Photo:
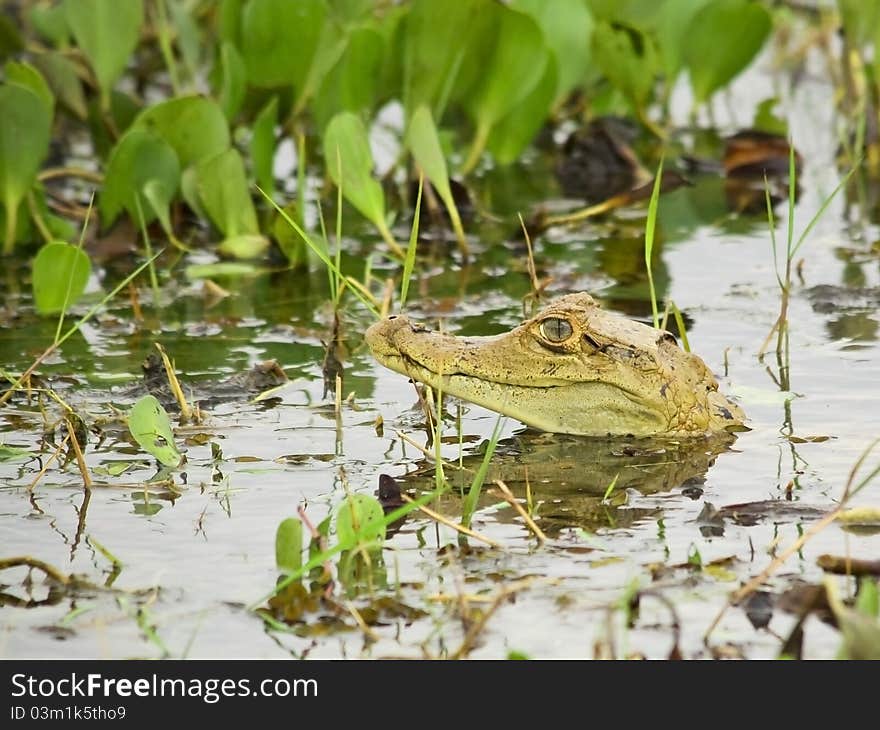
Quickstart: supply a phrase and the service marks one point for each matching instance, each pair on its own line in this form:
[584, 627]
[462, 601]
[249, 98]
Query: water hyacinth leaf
[26, 75]
[331, 45]
[436, 37]
[263, 145]
[11, 453]
[60, 73]
[289, 545]
[424, 143]
[193, 125]
[25, 123]
[229, 21]
[353, 82]
[11, 41]
[721, 40]
[360, 519]
[567, 27]
[107, 32]
[243, 246]
[671, 30]
[514, 68]
[223, 192]
[59, 277]
[233, 80]
[140, 158]
[50, 22]
[628, 59]
[279, 39]
[349, 162]
[515, 131]
[150, 426]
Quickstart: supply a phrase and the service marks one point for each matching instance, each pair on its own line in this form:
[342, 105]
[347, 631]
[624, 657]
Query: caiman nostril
[393, 316]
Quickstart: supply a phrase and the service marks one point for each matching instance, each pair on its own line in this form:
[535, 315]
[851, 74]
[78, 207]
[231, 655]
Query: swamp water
[194, 557]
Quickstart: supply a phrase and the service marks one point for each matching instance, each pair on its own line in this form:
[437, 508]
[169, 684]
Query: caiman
[573, 368]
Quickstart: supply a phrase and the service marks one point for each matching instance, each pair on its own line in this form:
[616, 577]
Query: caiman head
[573, 368]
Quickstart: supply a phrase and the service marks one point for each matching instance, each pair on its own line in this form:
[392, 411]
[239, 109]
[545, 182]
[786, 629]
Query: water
[196, 557]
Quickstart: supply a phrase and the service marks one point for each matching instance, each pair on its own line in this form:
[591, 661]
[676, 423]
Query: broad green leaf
[233, 80]
[25, 123]
[359, 519]
[721, 40]
[514, 132]
[221, 269]
[567, 27]
[244, 246]
[50, 22]
[289, 545]
[11, 41]
[151, 428]
[141, 157]
[353, 83]
[229, 21]
[514, 68]
[10, 453]
[107, 32]
[671, 31]
[424, 143]
[347, 151]
[628, 59]
[860, 20]
[436, 37]
[193, 125]
[263, 145]
[224, 194]
[26, 75]
[60, 73]
[331, 45]
[279, 38]
[59, 277]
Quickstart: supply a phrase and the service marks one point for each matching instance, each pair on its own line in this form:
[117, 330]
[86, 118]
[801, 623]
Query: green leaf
[515, 131]
[263, 145]
[233, 81]
[193, 125]
[353, 83]
[567, 27]
[289, 545]
[11, 41]
[50, 22]
[244, 246]
[514, 68]
[107, 32]
[860, 632]
[149, 424]
[349, 162]
[671, 32]
[279, 39]
[721, 40]
[223, 192]
[360, 519]
[140, 158]
[221, 269]
[628, 59]
[26, 75]
[424, 143]
[25, 123]
[10, 453]
[436, 38]
[59, 277]
[60, 73]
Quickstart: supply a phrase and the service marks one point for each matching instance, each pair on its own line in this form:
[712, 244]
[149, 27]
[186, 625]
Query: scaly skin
[608, 376]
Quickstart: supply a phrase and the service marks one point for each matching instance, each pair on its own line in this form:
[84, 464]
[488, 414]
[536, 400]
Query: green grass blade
[649, 240]
[771, 222]
[470, 501]
[825, 204]
[410, 260]
[319, 252]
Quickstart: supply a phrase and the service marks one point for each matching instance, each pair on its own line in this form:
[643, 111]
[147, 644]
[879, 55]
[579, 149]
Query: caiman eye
[555, 329]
